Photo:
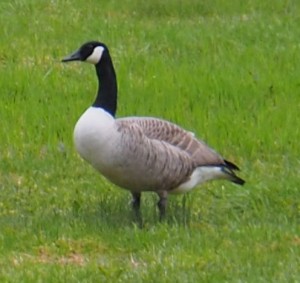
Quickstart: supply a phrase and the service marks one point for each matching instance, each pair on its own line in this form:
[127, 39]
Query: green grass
[227, 70]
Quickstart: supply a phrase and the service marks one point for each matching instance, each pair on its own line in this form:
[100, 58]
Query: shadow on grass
[116, 212]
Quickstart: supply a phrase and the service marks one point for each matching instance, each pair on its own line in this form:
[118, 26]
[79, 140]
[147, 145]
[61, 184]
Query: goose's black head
[97, 53]
[90, 52]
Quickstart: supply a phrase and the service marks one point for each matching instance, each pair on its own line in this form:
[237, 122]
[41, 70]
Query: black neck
[107, 90]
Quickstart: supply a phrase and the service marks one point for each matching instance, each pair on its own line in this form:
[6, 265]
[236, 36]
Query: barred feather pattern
[160, 155]
[152, 164]
[174, 135]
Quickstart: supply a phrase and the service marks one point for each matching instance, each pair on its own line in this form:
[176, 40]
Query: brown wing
[170, 133]
[151, 164]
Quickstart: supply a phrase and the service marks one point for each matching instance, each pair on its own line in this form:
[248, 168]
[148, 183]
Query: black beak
[72, 57]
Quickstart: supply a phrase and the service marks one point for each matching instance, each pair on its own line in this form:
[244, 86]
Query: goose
[141, 154]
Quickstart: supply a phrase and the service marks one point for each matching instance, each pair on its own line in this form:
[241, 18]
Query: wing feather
[162, 130]
[154, 163]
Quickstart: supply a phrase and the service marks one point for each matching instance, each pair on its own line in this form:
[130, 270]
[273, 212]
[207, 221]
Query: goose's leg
[136, 203]
[162, 204]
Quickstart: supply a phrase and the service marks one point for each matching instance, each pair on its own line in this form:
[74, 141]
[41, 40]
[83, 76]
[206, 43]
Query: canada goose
[141, 153]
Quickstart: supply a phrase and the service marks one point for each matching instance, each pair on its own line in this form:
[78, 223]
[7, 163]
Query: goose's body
[141, 153]
[145, 154]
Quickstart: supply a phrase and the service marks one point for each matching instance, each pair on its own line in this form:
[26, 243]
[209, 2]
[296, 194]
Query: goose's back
[172, 134]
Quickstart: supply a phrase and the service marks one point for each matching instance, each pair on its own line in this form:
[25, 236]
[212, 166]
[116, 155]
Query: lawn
[227, 70]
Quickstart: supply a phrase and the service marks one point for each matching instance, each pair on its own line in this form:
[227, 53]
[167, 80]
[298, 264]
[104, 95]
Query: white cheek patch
[95, 57]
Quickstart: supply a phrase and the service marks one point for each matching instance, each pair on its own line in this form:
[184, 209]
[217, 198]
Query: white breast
[93, 137]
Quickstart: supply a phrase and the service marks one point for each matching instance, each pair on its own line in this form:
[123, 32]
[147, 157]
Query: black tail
[237, 180]
[229, 168]
[231, 165]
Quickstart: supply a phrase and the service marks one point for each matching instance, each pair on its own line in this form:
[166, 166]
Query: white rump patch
[95, 57]
[200, 175]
